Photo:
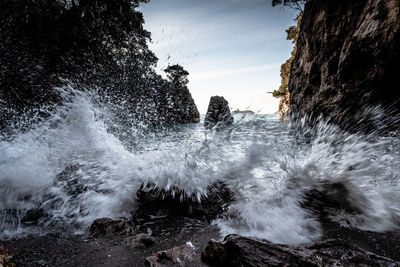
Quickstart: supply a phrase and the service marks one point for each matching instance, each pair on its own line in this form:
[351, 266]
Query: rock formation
[241, 251]
[348, 59]
[218, 112]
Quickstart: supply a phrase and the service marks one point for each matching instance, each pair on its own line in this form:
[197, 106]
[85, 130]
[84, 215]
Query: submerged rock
[183, 256]
[218, 112]
[4, 260]
[241, 251]
[337, 196]
[107, 226]
[348, 59]
[34, 216]
[174, 202]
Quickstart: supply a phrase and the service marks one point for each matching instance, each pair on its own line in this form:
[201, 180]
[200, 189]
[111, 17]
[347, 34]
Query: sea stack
[218, 112]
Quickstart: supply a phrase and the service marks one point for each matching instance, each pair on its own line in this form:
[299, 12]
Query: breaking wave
[71, 169]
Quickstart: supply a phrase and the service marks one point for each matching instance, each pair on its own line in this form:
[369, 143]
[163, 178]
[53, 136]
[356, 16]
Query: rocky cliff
[348, 59]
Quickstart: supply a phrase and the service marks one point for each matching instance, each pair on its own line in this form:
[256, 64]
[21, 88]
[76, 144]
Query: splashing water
[73, 168]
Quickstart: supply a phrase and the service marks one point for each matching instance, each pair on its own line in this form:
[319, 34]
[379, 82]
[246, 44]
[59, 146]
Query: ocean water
[269, 164]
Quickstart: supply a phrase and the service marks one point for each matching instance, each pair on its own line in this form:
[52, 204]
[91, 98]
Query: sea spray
[73, 169]
[277, 174]
[80, 164]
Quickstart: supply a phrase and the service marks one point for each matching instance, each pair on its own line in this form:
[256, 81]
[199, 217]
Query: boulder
[140, 240]
[183, 256]
[241, 251]
[218, 112]
[347, 60]
[107, 226]
[174, 202]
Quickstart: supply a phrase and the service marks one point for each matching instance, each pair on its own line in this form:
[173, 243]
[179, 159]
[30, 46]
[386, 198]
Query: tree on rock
[177, 75]
[179, 105]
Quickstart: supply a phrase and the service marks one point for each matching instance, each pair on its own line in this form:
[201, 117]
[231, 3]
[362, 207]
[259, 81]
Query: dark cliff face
[348, 59]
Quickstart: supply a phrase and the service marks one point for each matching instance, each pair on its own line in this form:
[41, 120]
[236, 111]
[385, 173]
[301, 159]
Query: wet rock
[218, 112]
[241, 251]
[107, 226]
[183, 256]
[34, 216]
[140, 240]
[4, 260]
[348, 59]
[174, 202]
[337, 196]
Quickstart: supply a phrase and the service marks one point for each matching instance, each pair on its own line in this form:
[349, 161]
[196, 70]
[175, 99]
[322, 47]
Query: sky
[232, 48]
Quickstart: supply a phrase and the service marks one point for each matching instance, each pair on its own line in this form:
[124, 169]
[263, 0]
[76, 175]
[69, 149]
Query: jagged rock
[174, 202]
[218, 112]
[183, 256]
[241, 251]
[4, 261]
[107, 226]
[140, 240]
[348, 58]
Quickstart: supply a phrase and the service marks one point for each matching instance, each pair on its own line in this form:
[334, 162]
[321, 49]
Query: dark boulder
[153, 201]
[347, 60]
[107, 226]
[218, 112]
[34, 216]
[241, 251]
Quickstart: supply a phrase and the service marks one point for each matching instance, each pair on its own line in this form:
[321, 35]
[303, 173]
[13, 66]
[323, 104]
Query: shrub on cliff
[292, 34]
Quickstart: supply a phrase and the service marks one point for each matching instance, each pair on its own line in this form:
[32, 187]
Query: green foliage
[293, 35]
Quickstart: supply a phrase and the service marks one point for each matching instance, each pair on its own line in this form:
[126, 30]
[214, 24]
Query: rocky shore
[168, 232]
[194, 243]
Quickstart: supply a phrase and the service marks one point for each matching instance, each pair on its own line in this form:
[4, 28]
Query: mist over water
[79, 165]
